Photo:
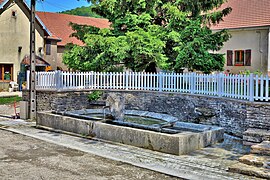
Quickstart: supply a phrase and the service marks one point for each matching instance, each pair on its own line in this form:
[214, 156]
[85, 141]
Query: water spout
[116, 102]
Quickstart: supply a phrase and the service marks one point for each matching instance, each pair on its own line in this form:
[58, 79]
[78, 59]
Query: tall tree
[169, 34]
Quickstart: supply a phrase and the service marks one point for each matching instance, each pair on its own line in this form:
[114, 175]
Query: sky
[58, 5]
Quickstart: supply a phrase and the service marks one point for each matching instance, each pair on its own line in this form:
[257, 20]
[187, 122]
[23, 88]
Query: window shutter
[248, 57]
[229, 57]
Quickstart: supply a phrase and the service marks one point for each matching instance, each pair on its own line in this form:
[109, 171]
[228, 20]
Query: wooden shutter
[248, 57]
[229, 58]
[1, 72]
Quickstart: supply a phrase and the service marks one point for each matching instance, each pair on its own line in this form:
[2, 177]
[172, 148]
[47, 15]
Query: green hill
[82, 11]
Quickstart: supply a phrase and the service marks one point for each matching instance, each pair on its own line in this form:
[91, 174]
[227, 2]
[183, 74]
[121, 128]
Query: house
[249, 25]
[52, 34]
[58, 24]
[15, 37]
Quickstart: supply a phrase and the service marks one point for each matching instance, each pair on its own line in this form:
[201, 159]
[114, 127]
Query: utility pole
[33, 113]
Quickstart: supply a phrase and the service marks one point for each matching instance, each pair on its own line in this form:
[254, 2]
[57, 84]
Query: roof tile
[58, 25]
[245, 13]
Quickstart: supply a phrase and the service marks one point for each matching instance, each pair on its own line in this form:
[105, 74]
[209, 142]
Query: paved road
[23, 157]
[49, 152]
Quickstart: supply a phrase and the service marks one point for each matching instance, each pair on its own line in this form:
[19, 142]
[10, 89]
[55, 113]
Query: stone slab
[250, 170]
[255, 160]
[262, 148]
[248, 143]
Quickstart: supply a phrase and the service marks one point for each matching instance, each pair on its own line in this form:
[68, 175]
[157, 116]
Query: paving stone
[262, 148]
[250, 170]
[255, 160]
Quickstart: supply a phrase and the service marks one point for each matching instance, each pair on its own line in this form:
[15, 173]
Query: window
[48, 47]
[14, 14]
[6, 72]
[239, 57]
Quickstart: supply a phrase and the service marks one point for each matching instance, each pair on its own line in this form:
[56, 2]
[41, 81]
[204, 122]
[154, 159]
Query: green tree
[169, 34]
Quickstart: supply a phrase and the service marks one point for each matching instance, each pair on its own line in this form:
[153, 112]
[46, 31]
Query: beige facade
[52, 58]
[254, 39]
[15, 37]
[60, 52]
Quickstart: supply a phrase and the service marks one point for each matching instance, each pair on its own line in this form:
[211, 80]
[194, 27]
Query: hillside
[82, 11]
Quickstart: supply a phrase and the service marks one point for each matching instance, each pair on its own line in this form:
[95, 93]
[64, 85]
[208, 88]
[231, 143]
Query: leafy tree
[82, 11]
[169, 34]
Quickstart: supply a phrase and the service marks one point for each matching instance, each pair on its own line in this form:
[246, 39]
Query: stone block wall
[60, 101]
[229, 114]
[235, 116]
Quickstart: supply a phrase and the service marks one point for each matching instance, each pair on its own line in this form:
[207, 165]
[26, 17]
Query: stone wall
[59, 101]
[234, 116]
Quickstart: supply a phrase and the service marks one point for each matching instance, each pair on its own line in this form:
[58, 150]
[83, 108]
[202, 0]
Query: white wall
[254, 39]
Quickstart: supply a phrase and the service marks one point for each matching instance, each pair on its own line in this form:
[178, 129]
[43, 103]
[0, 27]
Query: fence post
[91, 80]
[251, 87]
[160, 82]
[58, 80]
[219, 84]
[192, 83]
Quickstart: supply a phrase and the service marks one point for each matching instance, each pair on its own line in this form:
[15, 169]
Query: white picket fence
[246, 87]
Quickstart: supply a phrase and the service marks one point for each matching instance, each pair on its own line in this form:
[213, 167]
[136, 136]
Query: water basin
[155, 131]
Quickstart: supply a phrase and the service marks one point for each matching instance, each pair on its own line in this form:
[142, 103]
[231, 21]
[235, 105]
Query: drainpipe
[268, 59]
[260, 50]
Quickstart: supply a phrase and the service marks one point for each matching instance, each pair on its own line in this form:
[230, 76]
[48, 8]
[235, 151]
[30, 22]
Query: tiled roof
[58, 25]
[245, 13]
[39, 61]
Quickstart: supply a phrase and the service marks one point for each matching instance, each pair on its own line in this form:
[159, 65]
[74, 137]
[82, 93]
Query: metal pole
[33, 113]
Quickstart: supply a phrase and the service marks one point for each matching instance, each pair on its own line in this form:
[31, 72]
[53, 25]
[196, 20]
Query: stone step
[255, 160]
[262, 148]
[258, 172]
[253, 135]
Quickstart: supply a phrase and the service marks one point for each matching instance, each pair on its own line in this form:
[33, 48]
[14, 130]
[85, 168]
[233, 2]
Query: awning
[39, 61]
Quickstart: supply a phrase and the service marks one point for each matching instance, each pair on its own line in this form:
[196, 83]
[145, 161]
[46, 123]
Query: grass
[9, 100]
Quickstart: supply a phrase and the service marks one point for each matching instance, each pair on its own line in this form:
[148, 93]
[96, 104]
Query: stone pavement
[209, 163]
[26, 158]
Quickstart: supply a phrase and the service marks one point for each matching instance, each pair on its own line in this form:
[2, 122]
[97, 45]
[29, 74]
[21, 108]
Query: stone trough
[182, 139]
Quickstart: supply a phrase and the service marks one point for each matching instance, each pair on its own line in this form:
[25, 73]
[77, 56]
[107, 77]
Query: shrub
[95, 95]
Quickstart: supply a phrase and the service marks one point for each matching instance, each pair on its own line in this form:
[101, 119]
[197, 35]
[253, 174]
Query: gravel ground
[23, 157]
